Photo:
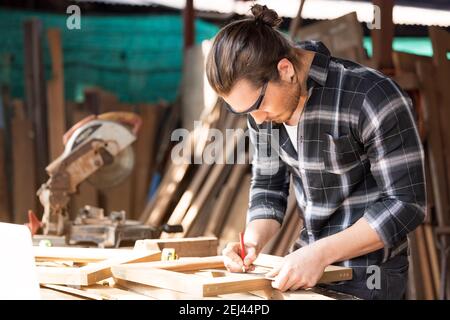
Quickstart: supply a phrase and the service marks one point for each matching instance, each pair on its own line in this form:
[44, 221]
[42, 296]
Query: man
[347, 136]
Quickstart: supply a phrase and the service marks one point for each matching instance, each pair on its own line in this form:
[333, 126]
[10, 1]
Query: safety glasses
[254, 107]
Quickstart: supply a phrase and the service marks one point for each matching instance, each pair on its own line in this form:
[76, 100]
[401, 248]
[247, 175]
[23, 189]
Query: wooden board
[56, 115]
[236, 218]
[4, 191]
[383, 36]
[81, 255]
[24, 170]
[91, 273]
[145, 149]
[98, 292]
[225, 200]
[184, 247]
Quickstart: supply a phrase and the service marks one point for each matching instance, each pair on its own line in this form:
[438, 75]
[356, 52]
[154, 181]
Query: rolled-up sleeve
[270, 178]
[390, 137]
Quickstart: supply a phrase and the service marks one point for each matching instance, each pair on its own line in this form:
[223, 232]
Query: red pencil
[241, 240]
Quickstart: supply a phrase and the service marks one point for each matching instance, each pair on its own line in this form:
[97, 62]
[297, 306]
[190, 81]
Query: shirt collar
[318, 71]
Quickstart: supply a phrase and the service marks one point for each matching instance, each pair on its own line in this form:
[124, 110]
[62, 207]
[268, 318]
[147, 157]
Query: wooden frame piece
[184, 247]
[94, 272]
[178, 275]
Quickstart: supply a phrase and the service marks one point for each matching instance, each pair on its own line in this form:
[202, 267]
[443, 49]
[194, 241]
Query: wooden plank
[184, 247]
[436, 134]
[98, 292]
[424, 264]
[236, 218]
[145, 147]
[24, 170]
[434, 261]
[154, 292]
[4, 191]
[440, 40]
[272, 294]
[297, 21]
[191, 283]
[35, 93]
[383, 37]
[174, 181]
[91, 273]
[50, 294]
[55, 96]
[225, 200]
[183, 264]
[81, 255]
[202, 286]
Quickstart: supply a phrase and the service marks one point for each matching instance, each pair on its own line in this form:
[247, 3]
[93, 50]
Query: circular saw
[97, 149]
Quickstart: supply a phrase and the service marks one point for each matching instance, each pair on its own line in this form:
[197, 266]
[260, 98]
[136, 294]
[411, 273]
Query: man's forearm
[357, 240]
[258, 232]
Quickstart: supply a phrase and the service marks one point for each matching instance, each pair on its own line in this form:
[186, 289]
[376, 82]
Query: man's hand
[257, 234]
[232, 258]
[301, 269]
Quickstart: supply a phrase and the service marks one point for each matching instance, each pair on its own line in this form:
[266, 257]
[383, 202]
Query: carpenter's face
[278, 104]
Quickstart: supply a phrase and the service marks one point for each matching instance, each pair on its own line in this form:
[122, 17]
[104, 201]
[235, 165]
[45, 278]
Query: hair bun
[266, 15]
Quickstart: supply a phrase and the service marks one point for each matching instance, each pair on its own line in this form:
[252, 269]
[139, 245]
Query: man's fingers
[250, 257]
[280, 280]
[231, 258]
[273, 273]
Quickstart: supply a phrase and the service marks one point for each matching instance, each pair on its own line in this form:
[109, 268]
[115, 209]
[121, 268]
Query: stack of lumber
[114, 274]
[428, 78]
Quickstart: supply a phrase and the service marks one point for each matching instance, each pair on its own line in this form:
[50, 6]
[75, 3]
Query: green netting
[137, 57]
[415, 45]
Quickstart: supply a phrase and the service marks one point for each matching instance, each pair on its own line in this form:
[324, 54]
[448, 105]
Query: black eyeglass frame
[255, 106]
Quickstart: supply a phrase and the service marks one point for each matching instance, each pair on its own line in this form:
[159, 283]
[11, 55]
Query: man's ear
[286, 70]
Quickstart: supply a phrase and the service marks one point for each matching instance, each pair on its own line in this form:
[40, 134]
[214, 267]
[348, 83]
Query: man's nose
[259, 116]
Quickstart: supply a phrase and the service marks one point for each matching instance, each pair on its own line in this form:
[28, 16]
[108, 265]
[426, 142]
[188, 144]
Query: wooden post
[55, 95]
[35, 93]
[188, 20]
[297, 21]
[382, 38]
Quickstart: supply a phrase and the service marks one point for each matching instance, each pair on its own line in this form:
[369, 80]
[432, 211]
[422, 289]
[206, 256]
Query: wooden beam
[98, 292]
[55, 96]
[24, 170]
[382, 38]
[4, 190]
[297, 21]
[35, 92]
[189, 24]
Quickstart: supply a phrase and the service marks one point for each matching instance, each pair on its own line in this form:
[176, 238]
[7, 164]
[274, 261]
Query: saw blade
[115, 173]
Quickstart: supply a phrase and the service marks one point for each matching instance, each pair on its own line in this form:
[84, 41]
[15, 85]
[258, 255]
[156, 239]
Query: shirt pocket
[340, 155]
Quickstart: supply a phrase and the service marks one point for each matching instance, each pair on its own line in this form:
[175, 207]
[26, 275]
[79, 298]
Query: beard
[291, 102]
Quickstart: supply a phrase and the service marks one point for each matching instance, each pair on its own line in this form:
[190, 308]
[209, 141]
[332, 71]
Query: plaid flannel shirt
[359, 155]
